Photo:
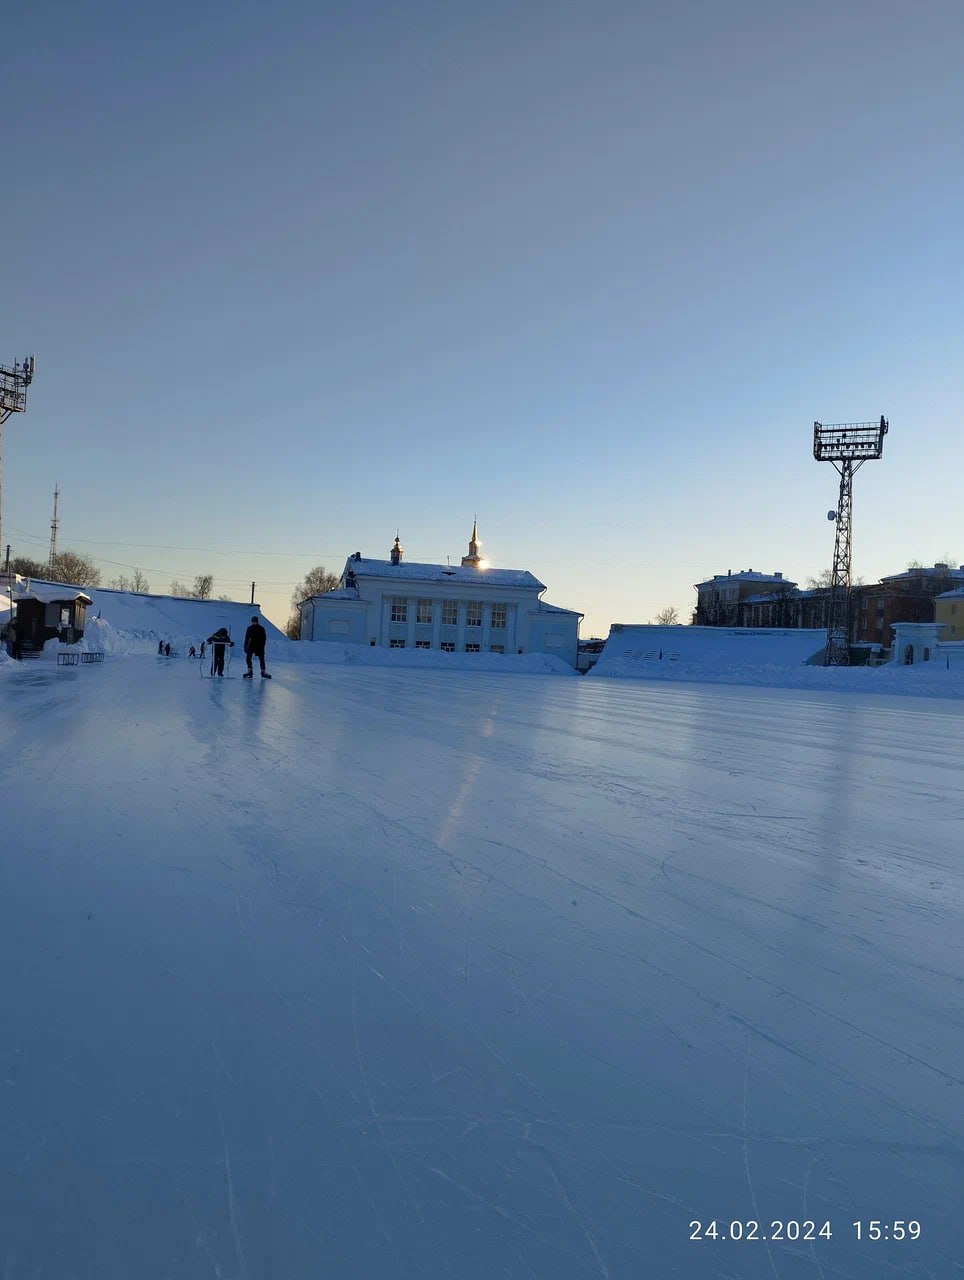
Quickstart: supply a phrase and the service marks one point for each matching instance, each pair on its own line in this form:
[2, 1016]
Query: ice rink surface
[375, 973]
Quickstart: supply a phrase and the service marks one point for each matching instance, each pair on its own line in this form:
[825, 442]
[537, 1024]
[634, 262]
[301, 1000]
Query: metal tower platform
[847, 445]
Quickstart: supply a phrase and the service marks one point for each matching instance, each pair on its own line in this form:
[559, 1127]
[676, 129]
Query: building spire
[397, 551]
[473, 560]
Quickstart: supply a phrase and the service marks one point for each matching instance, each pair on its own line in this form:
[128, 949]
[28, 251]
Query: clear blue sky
[297, 275]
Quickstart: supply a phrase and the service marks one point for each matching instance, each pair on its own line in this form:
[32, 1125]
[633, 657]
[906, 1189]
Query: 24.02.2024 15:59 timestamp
[872, 1229]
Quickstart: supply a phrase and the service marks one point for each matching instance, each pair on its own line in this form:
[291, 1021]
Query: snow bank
[630, 646]
[100, 636]
[171, 617]
[322, 651]
[776, 659]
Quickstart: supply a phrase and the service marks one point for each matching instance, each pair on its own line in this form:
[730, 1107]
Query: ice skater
[219, 641]
[255, 639]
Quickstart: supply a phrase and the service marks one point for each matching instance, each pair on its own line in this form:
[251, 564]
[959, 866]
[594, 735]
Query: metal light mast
[848, 445]
[54, 525]
[13, 399]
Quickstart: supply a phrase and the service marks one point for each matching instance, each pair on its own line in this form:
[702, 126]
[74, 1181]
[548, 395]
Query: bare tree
[136, 582]
[72, 567]
[315, 583]
[668, 617]
[28, 568]
[824, 580]
[201, 590]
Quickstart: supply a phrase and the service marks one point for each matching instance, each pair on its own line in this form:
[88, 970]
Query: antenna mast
[54, 525]
[848, 445]
[13, 399]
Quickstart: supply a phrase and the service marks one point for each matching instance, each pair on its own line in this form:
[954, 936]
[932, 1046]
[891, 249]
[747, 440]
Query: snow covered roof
[544, 607]
[957, 593]
[927, 571]
[746, 575]
[52, 595]
[406, 572]
[340, 593]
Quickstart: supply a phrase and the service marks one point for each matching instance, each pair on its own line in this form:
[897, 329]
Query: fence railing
[75, 659]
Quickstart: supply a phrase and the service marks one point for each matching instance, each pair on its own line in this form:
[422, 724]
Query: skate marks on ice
[421, 1000]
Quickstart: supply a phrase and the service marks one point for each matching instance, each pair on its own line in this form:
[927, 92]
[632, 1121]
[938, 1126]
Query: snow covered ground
[770, 658]
[377, 973]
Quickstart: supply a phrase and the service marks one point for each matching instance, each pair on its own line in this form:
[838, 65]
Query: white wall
[369, 619]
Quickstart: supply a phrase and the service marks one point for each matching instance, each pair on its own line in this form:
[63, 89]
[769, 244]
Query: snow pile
[323, 651]
[642, 650]
[100, 636]
[174, 619]
[773, 658]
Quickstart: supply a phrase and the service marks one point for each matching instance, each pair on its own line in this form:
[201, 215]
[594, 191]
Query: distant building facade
[471, 608]
[788, 608]
[901, 597]
[949, 610]
[749, 599]
[721, 600]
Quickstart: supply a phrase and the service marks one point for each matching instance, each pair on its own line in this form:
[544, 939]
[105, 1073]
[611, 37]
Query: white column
[460, 630]
[436, 623]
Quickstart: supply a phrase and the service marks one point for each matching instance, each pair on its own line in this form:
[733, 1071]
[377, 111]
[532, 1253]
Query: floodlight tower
[13, 399]
[848, 445]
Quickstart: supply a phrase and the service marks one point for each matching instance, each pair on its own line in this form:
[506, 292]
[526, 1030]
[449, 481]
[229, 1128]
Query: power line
[211, 551]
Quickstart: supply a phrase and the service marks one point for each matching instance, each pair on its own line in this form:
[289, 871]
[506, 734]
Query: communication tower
[13, 399]
[54, 526]
[848, 445]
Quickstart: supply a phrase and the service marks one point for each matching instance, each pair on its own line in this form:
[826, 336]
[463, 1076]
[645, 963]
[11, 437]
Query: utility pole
[848, 445]
[252, 593]
[13, 399]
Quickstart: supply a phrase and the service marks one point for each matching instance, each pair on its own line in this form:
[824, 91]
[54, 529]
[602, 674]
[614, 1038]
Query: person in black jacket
[255, 639]
[220, 640]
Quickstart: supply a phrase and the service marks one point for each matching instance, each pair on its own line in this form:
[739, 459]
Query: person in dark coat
[11, 636]
[220, 640]
[255, 639]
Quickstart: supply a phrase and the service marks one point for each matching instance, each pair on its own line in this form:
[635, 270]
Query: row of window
[450, 612]
[447, 646]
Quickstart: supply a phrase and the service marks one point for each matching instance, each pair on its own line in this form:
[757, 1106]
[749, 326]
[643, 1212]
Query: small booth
[916, 642]
[49, 613]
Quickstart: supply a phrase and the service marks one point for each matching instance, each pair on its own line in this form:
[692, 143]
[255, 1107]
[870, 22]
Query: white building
[469, 609]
